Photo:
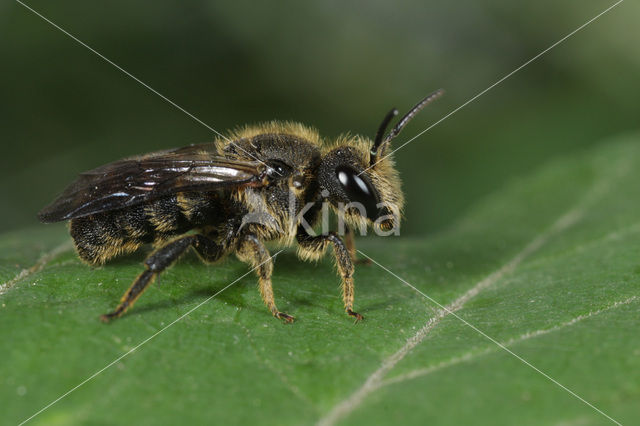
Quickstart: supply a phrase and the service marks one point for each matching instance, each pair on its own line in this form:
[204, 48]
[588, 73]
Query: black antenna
[383, 128]
[379, 145]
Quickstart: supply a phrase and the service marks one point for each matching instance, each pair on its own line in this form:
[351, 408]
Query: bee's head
[360, 196]
[359, 178]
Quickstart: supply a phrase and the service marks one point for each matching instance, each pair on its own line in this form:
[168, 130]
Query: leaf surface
[548, 266]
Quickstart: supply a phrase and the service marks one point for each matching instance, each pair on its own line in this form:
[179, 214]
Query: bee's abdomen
[166, 218]
[102, 236]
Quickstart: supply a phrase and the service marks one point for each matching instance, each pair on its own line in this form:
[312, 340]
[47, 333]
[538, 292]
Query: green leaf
[548, 266]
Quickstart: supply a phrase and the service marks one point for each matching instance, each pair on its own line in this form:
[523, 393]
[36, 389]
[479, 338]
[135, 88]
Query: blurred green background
[334, 65]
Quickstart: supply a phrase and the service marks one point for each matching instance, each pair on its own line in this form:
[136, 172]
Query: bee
[263, 183]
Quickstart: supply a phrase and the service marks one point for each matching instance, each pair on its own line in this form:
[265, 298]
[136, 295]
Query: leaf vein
[490, 349]
[572, 216]
[37, 267]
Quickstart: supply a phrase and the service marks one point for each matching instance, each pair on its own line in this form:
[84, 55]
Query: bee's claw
[356, 315]
[115, 314]
[108, 317]
[285, 317]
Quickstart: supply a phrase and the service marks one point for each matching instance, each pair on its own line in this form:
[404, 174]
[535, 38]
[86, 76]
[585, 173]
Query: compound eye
[359, 190]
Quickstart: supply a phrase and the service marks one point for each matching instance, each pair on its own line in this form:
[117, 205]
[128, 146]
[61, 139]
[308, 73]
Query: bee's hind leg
[252, 250]
[158, 261]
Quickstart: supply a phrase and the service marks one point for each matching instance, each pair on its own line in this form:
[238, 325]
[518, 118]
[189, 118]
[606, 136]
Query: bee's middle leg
[158, 261]
[252, 250]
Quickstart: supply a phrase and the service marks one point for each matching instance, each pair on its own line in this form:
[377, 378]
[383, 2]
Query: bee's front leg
[350, 242]
[252, 250]
[312, 247]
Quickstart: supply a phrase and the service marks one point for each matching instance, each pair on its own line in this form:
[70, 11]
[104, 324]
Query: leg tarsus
[356, 315]
[105, 318]
[288, 319]
[314, 246]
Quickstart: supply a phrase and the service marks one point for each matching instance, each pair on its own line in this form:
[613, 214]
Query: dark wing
[132, 181]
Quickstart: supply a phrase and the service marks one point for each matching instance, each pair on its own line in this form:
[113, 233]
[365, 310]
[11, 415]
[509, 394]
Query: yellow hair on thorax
[273, 127]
